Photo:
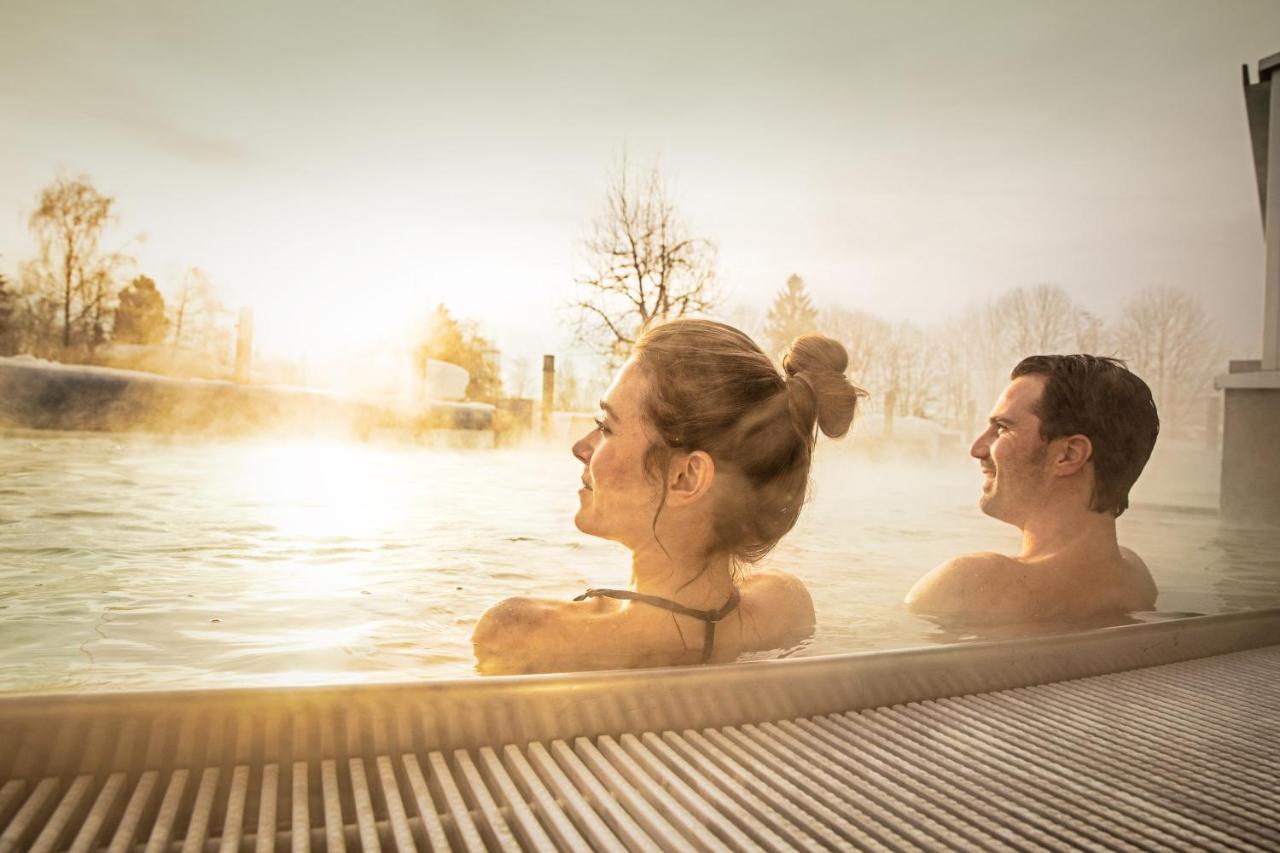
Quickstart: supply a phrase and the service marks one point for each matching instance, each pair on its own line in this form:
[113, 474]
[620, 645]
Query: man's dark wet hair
[1101, 399]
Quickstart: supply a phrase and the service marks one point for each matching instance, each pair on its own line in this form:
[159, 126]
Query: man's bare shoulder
[955, 585]
[1131, 557]
[1142, 586]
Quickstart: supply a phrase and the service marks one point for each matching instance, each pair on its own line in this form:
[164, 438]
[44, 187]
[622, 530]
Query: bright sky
[342, 167]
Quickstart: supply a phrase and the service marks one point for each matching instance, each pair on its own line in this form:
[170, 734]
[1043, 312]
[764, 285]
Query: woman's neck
[701, 582]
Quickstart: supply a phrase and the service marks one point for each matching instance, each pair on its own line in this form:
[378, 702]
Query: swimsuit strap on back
[711, 617]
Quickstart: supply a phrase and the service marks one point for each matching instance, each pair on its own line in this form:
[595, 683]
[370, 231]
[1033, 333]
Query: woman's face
[619, 498]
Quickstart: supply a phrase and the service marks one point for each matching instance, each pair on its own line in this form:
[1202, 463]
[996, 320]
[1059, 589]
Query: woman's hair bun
[819, 363]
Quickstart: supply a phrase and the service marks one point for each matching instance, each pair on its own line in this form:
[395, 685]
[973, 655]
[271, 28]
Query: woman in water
[699, 464]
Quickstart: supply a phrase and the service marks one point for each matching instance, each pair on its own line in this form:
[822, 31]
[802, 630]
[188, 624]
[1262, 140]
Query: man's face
[1012, 453]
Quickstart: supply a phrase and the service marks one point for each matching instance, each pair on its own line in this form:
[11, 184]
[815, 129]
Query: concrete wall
[1251, 455]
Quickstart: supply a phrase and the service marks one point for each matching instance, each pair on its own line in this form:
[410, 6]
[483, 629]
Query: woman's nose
[582, 448]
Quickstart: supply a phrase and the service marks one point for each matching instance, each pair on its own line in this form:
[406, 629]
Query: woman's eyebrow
[609, 410]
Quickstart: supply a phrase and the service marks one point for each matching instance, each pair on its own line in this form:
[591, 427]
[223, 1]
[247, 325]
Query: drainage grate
[1185, 755]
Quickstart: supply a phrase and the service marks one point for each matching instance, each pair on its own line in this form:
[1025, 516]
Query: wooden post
[548, 391]
[244, 345]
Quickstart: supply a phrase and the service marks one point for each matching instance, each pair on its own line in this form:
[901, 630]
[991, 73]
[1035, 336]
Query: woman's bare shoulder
[772, 582]
[779, 604]
[534, 634]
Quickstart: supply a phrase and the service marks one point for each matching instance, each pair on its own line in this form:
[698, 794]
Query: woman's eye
[600, 425]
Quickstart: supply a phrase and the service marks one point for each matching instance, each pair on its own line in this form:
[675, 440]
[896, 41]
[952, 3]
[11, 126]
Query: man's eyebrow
[997, 420]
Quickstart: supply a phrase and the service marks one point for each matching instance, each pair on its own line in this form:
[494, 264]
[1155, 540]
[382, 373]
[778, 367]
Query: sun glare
[323, 491]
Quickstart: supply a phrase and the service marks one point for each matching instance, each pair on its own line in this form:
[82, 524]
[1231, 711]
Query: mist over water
[141, 561]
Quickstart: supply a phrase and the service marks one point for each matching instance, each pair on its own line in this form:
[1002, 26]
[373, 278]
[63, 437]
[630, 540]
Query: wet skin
[1071, 567]
[619, 500]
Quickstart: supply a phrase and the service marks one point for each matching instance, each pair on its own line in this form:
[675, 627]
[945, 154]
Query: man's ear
[1071, 454]
[690, 477]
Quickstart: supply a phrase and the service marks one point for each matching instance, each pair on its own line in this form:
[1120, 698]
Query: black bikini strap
[710, 617]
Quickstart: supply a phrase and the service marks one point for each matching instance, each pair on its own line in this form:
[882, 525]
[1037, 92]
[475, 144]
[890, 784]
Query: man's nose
[981, 447]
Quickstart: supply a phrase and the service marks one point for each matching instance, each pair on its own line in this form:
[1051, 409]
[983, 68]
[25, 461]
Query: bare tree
[912, 370]
[568, 392]
[865, 337]
[201, 324]
[72, 270]
[645, 266]
[1168, 341]
[1037, 320]
[518, 381]
[1090, 333]
[748, 318]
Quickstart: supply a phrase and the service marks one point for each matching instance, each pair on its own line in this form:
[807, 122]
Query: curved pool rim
[43, 734]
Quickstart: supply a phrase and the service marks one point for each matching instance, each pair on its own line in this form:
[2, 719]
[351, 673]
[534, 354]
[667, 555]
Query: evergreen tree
[140, 317]
[791, 315]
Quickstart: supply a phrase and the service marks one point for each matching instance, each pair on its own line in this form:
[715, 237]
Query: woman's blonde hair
[713, 389]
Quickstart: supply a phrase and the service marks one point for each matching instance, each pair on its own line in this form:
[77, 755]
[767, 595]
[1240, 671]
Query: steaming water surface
[132, 562]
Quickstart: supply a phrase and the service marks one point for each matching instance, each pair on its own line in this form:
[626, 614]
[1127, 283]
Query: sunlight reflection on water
[149, 562]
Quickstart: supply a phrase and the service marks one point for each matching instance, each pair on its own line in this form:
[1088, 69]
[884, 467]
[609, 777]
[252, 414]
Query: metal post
[548, 391]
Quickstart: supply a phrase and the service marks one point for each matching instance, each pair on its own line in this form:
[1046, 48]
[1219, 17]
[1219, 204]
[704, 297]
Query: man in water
[1064, 444]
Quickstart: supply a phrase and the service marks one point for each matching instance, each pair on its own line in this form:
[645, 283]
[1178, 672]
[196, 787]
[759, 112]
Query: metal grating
[1180, 756]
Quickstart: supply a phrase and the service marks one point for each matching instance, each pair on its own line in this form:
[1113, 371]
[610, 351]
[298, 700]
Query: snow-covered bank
[40, 394]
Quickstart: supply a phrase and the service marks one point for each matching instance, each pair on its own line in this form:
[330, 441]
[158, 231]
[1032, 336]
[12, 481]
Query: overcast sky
[342, 167]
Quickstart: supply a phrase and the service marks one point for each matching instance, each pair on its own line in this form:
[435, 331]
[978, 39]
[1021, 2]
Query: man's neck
[1054, 531]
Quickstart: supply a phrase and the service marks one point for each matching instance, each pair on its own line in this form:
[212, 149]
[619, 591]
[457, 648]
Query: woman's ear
[690, 477]
[1072, 454]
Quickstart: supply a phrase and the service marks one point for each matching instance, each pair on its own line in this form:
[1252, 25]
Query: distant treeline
[645, 264]
[80, 301]
[78, 297]
[952, 372]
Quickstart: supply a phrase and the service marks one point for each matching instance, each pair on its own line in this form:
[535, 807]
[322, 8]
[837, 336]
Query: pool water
[146, 562]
